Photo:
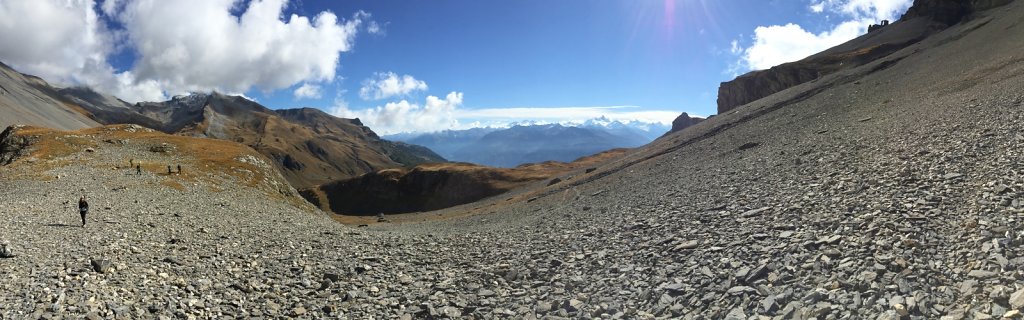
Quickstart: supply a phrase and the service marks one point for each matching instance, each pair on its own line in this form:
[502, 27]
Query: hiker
[83, 209]
[138, 169]
[168, 169]
[131, 162]
[179, 169]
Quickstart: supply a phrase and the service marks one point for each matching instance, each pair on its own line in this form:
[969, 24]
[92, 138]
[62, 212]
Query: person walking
[138, 169]
[179, 169]
[83, 209]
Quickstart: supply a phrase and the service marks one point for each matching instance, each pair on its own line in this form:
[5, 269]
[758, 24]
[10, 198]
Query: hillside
[31, 152]
[308, 146]
[29, 100]
[925, 17]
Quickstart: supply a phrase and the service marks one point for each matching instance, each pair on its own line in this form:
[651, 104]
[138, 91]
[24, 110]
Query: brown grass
[201, 159]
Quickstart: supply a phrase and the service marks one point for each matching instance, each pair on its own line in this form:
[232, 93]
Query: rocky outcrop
[683, 121]
[925, 17]
[12, 145]
[950, 11]
[419, 189]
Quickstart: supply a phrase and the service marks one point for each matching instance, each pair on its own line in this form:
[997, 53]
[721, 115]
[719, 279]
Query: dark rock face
[683, 121]
[398, 191]
[759, 84]
[13, 146]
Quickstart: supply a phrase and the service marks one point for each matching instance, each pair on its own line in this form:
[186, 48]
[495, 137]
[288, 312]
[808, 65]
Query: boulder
[683, 121]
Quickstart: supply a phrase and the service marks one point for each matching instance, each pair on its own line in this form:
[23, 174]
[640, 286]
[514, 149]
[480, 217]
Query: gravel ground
[896, 194]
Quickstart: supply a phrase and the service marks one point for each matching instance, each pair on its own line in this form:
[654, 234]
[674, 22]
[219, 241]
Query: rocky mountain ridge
[925, 17]
[309, 146]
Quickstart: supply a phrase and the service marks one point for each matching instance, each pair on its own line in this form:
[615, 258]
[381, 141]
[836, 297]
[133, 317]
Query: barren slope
[29, 100]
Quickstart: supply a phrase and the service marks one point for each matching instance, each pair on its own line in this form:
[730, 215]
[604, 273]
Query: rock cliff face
[683, 121]
[922, 19]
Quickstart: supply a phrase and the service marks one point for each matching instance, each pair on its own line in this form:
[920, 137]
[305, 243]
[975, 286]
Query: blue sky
[430, 65]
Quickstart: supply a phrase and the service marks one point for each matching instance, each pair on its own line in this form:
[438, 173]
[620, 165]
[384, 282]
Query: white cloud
[388, 84]
[375, 28]
[198, 45]
[734, 47]
[777, 44]
[404, 116]
[308, 91]
[181, 46]
[870, 9]
[817, 7]
[65, 43]
[447, 113]
[568, 114]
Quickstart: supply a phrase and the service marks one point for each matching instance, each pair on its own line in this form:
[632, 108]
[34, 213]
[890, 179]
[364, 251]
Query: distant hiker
[83, 209]
[131, 162]
[138, 169]
[168, 169]
[179, 169]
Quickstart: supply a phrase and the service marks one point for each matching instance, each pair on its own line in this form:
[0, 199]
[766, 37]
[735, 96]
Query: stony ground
[894, 194]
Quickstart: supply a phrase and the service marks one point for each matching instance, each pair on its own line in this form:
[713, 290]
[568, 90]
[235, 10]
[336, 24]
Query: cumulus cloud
[774, 45]
[197, 45]
[405, 116]
[64, 42]
[777, 44]
[181, 46]
[308, 91]
[388, 84]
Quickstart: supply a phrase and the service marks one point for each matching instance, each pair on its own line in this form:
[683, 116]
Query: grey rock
[982, 274]
[100, 265]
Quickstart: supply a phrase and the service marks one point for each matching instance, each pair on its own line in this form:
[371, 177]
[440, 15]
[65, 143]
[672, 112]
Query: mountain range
[530, 142]
[308, 146]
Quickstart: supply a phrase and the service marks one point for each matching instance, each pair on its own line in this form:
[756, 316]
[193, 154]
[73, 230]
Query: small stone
[6, 251]
[452, 312]
[982, 274]
[542, 307]
[333, 277]
[101, 265]
[690, 244]
[573, 305]
[736, 314]
[1017, 299]
[1012, 314]
[740, 289]
[900, 309]
[298, 311]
